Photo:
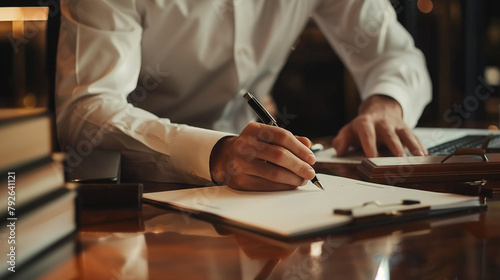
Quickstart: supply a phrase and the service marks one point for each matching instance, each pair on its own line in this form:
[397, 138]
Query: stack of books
[37, 209]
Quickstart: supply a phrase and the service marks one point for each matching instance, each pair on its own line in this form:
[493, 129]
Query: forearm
[378, 51]
[152, 148]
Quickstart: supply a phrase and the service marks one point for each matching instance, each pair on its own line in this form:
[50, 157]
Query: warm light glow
[18, 28]
[425, 6]
[492, 75]
[494, 33]
[316, 249]
[29, 100]
[24, 13]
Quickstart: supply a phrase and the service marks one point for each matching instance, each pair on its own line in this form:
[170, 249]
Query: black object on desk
[109, 196]
[490, 143]
[99, 166]
[97, 175]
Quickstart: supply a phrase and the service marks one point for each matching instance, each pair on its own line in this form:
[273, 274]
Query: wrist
[379, 102]
[218, 159]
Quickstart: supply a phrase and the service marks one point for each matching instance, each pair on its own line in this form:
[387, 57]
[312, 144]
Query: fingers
[260, 174]
[411, 141]
[370, 133]
[344, 139]
[360, 132]
[365, 131]
[278, 137]
[397, 139]
[305, 141]
[263, 157]
[391, 140]
[286, 159]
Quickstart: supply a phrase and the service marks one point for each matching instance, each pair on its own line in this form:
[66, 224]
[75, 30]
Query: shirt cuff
[191, 148]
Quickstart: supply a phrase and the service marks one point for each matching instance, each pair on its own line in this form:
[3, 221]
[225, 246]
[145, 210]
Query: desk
[154, 243]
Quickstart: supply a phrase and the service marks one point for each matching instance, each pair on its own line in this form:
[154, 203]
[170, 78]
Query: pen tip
[318, 184]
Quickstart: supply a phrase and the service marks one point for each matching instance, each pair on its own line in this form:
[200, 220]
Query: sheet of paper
[301, 211]
[330, 155]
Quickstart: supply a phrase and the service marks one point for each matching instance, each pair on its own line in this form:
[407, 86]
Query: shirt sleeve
[98, 64]
[378, 51]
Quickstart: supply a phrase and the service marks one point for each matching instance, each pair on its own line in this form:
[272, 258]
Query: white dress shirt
[160, 80]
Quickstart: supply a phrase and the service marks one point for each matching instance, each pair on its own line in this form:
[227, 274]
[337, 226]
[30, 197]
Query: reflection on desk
[174, 245]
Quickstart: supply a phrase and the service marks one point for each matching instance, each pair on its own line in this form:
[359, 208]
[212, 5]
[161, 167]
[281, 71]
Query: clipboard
[308, 211]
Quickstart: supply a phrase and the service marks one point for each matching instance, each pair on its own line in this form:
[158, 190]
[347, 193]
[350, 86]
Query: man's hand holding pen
[262, 158]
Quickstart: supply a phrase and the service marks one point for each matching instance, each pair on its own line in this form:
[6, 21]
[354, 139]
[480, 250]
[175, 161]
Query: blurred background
[460, 40]
[28, 41]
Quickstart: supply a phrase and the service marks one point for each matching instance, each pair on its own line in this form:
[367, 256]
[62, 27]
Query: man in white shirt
[161, 81]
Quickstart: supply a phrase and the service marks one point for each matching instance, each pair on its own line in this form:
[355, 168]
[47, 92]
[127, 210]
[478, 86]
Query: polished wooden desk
[154, 243]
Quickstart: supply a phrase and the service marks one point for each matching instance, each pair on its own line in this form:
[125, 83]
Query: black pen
[266, 118]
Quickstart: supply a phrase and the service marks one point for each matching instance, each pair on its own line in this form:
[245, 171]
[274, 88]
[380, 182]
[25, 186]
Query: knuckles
[280, 155]
[274, 174]
[282, 135]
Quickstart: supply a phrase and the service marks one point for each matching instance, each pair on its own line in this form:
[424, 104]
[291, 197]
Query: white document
[306, 210]
[429, 137]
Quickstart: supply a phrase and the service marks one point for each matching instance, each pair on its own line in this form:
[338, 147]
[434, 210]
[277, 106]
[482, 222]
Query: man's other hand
[379, 123]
